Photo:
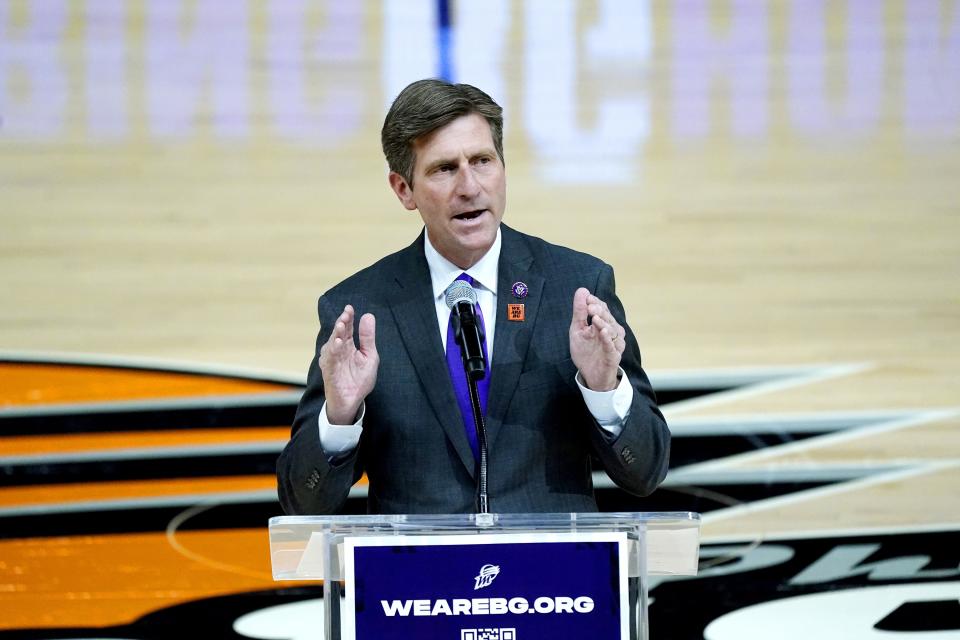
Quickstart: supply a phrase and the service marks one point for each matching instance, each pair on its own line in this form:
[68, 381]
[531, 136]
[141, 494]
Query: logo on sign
[486, 576]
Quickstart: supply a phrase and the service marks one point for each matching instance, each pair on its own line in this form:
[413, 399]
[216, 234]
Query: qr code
[488, 634]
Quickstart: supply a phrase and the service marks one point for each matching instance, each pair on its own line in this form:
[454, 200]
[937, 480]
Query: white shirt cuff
[338, 439]
[609, 408]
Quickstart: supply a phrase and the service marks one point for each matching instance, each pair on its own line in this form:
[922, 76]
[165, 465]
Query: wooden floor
[775, 184]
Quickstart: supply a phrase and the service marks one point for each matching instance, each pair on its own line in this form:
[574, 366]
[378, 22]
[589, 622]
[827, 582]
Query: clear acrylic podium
[316, 548]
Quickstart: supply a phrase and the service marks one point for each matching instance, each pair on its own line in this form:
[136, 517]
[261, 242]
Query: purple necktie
[459, 377]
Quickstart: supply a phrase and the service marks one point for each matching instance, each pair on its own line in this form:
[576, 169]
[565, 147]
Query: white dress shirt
[609, 408]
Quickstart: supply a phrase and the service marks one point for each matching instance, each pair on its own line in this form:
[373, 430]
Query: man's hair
[423, 107]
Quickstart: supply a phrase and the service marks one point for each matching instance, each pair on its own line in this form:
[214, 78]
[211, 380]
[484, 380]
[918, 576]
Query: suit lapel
[413, 310]
[512, 338]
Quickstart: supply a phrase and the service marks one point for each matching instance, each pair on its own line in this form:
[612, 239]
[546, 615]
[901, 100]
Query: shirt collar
[443, 272]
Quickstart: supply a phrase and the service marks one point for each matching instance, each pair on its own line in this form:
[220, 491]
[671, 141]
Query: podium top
[297, 543]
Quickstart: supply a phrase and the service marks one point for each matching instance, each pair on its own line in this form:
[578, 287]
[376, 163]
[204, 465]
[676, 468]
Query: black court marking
[933, 615]
[212, 413]
[144, 467]
[142, 519]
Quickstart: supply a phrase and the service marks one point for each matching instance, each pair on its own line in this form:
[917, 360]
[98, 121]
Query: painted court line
[780, 378]
[904, 421]
[785, 422]
[822, 492]
[211, 402]
[185, 500]
[148, 453]
[853, 532]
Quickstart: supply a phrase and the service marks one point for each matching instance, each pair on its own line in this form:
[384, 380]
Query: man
[564, 369]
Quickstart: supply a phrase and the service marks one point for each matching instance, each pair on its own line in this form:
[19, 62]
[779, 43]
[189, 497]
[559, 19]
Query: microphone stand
[474, 373]
[483, 500]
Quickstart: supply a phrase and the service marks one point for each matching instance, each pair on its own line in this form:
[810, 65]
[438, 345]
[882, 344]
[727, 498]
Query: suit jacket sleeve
[637, 459]
[307, 482]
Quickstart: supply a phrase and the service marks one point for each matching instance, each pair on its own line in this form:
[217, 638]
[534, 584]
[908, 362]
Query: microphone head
[460, 291]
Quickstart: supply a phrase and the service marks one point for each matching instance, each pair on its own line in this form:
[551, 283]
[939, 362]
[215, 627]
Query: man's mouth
[469, 215]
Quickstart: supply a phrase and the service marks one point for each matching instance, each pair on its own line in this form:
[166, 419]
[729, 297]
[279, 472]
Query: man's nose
[467, 184]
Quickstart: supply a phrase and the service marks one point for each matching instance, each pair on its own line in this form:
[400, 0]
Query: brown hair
[425, 106]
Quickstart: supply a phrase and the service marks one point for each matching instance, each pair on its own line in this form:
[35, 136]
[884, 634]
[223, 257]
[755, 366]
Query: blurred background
[774, 181]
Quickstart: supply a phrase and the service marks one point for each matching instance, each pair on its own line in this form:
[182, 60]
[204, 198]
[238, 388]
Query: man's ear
[403, 190]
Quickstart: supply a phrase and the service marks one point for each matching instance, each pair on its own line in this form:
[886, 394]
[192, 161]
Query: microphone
[461, 299]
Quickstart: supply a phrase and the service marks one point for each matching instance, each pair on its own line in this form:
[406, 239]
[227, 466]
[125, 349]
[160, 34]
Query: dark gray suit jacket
[540, 433]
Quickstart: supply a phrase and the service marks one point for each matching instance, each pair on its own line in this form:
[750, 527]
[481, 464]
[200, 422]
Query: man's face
[460, 188]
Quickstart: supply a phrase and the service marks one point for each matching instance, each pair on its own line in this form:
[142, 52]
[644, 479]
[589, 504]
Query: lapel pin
[520, 290]
[515, 312]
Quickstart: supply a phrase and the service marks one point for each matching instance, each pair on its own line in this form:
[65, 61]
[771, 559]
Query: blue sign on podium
[536, 586]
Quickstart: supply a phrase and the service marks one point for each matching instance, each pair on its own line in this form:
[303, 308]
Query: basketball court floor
[774, 182]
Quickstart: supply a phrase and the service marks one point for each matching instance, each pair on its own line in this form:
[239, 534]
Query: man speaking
[387, 395]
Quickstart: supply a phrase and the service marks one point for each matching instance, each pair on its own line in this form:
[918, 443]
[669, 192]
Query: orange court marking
[39, 384]
[102, 580]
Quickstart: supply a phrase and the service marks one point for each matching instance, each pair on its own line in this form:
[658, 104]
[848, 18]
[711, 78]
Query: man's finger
[605, 329]
[601, 311]
[342, 331]
[603, 322]
[347, 318]
[367, 333]
[580, 308]
[339, 336]
[599, 308]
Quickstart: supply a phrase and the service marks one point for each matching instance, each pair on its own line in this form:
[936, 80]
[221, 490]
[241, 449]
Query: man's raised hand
[349, 373]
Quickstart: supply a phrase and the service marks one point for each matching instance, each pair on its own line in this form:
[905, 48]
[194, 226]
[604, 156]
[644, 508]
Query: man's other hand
[595, 347]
